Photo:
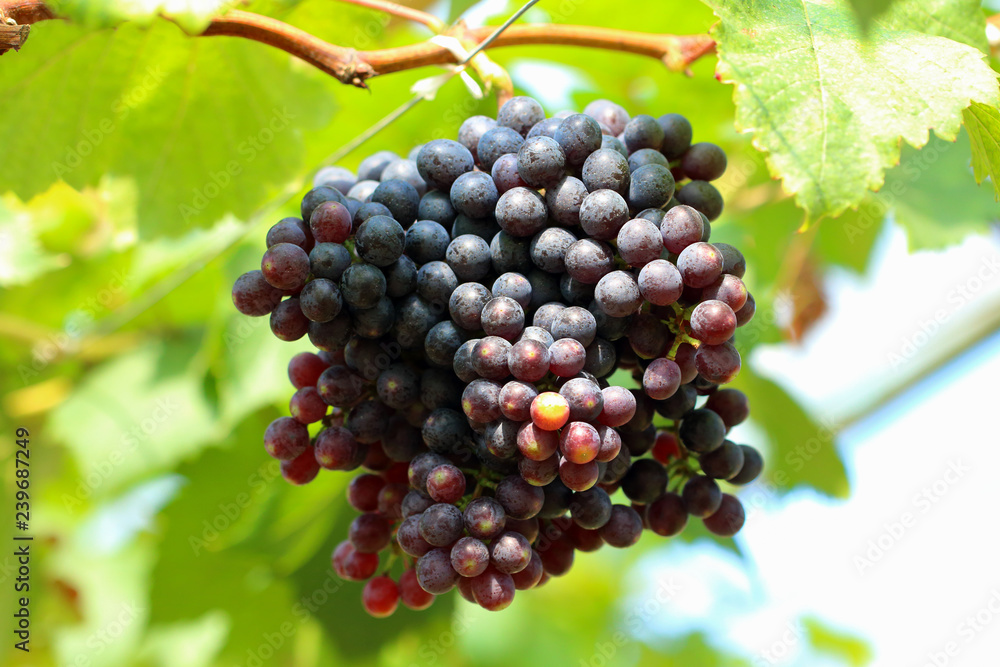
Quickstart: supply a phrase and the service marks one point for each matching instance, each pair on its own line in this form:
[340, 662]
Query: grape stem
[353, 67]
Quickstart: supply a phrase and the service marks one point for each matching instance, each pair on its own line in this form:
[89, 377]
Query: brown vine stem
[356, 67]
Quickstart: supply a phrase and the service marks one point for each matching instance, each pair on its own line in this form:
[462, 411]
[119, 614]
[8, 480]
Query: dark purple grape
[254, 296]
[444, 431]
[619, 406]
[661, 379]
[502, 316]
[623, 529]
[436, 206]
[426, 241]
[521, 212]
[329, 260]
[660, 283]
[496, 142]
[667, 515]
[702, 196]
[408, 537]
[516, 398]
[441, 524]
[472, 130]
[746, 313]
[288, 323]
[369, 533]
[677, 135]
[520, 114]
[713, 322]
[733, 261]
[481, 401]
[753, 464]
[644, 157]
[470, 557]
[539, 473]
[718, 364]
[639, 242]
[490, 356]
[540, 162]
[589, 260]
[567, 357]
[585, 399]
[469, 257]
[435, 572]
[514, 286]
[618, 294]
[564, 200]
[519, 499]
[578, 136]
[510, 552]
[730, 404]
[606, 169]
[400, 197]
[700, 264]
[727, 288]
[651, 186]
[591, 509]
[485, 518]
[442, 161]
[645, 481]
[493, 590]
[728, 519]
[442, 342]
[703, 162]
[474, 194]
[701, 496]
[286, 438]
[285, 266]
[466, 305]
[320, 300]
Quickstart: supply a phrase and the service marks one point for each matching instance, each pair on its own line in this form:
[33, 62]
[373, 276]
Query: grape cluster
[498, 321]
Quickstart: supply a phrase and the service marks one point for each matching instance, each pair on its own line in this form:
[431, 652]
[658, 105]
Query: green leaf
[803, 452]
[983, 124]
[866, 10]
[22, 257]
[852, 650]
[139, 413]
[203, 126]
[830, 108]
[192, 15]
[913, 192]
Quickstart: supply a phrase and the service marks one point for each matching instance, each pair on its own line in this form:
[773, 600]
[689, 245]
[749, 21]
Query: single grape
[286, 438]
[701, 496]
[718, 364]
[579, 442]
[539, 473]
[624, 527]
[481, 400]
[606, 169]
[300, 470]
[618, 294]
[472, 130]
[493, 590]
[514, 286]
[702, 196]
[484, 518]
[564, 200]
[753, 464]
[700, 264]
[307, 406]
[411, 594]
[661, 379]
[510, 552]
[502, 316]
[253, 295]
[466, 305]
[520, 114]
[435, 572]
[651, 186]
[643, 132]
[645, 481]
[567, 357]
[728, 519]
[639, 242]
[331, 222]
[540, 162]
[519, 499]
[579, 136]
[400, 197]
[703, 162]
[305, 368]
[619, 406]
[442, 161]
[470, 557]
[577, 476]
[495, 142]
[441, 524]
[515, 400]
[285, 266]
[475, 194]
[667, 515]
[521, 212]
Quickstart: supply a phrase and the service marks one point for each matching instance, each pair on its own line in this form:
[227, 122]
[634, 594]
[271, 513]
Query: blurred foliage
[146, 168]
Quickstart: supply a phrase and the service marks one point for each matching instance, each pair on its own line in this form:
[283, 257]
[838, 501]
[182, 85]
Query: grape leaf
[192, 15]
[828, 107]
[983, 125]
[912, 191]
[803, 452]
[866, 10]
[204, 126]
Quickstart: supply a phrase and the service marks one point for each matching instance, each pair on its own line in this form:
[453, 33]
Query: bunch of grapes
[498, 321]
